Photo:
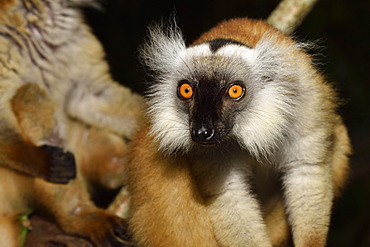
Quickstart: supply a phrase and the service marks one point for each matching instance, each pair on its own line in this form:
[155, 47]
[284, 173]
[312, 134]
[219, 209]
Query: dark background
[343, 28]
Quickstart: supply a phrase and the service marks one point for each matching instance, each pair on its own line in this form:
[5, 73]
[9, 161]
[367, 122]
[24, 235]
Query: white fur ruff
[267, 68]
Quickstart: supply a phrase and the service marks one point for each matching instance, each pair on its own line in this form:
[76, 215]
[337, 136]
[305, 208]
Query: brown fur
[177, 219]
[235, 29]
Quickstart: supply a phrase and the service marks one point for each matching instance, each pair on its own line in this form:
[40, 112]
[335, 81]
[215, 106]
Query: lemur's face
[217, 91]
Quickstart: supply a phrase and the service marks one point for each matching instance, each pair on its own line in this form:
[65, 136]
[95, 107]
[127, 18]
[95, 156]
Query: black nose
[203, 134]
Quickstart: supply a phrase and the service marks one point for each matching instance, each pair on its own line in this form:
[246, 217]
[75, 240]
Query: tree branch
[289, 14]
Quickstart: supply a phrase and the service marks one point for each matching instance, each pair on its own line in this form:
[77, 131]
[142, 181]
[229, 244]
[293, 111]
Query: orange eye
[235, 91]
[185, 91]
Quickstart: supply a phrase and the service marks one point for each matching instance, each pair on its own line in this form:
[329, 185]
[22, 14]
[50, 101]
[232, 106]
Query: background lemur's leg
[101, 159]
[109, 106]
[308, 196]
[47, 162]
[33, 111]
[102, 155]
[74, 212]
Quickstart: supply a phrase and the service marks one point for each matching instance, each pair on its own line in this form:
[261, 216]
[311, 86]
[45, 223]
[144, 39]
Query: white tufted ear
[161, 50]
